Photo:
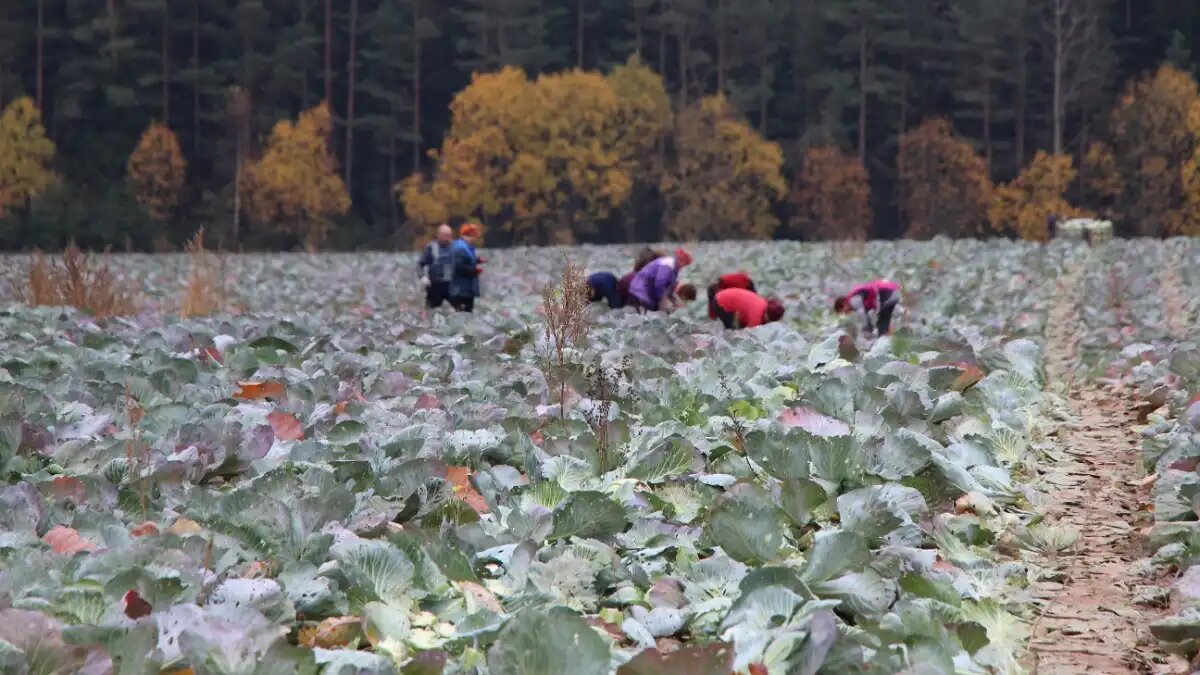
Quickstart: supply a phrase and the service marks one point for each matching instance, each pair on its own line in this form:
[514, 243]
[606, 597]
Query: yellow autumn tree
[832, 196]
[25, 155]
[944, 183]
[724, 179]
[1151, 141]
[1026, 204]
[295, 187]
[540, 159]
[643, 120]
[157, 170]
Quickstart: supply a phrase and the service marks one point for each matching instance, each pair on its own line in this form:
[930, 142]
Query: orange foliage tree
[541, 159]
[1143, 171]
[25, 155]
[832, 196]
[157, 170]
[1026, 204]
[725, 177]
[643, 120]
[944, 183]
[295, 187]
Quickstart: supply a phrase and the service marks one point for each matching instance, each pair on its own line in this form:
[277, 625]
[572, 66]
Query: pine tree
[509, 33]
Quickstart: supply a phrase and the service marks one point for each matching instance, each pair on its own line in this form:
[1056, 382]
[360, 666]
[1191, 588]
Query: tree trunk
[195, 77]
[112, 29]
[329, 53]
[987, 124]
[41, 57]
[579, 27]
[1019, 98]
[393, 204]
[166, 63]
[237, 189]
[304, 77]
[684, 48]
[722, 47]
[862, 92]
[350, 96]
[1060, 54]
[637, 29]
[416, 89]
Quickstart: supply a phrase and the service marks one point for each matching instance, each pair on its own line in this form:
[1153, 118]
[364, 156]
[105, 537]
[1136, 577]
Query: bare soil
[1093, 624]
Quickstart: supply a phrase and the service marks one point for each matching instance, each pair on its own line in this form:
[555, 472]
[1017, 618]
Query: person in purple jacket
[653, 287]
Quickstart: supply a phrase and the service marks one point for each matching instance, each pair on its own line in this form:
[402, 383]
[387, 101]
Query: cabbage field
[328, 479]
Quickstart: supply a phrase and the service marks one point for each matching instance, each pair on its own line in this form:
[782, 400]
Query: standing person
[464, 285]
[437, 267]
[742, 308]
[606, 286]
[653, 287]
[875, 300]
[731, 280]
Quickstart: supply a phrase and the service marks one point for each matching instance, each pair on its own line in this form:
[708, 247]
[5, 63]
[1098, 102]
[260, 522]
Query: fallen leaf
[211, 353]
[428, 402]
[66, 487]
[460, 478]
[612, 629]
[184, 526]
[134, 606]
[256, 570]
[969, 378]
[145, 529]
[668, 645]
[758, 669]
[66, 540]
[1188, 464]
[334, 632]
[481, 595]
[256, 391]
[286, 426]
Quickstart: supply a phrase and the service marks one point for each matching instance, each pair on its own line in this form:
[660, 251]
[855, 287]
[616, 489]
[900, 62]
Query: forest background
[354, 124]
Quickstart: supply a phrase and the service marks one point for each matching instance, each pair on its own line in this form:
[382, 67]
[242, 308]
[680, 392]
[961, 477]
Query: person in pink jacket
[875, 300]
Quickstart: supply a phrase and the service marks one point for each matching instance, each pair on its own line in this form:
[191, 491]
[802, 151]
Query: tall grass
[80, 280]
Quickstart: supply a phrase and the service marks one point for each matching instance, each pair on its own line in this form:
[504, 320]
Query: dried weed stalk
[80, 280]
[603, 385]
[205, 290]
[568, 320]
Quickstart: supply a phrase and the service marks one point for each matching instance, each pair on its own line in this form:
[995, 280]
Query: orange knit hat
[469, 230]
[682, 257]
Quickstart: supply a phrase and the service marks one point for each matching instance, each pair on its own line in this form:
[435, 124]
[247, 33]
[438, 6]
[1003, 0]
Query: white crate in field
[1095, 231]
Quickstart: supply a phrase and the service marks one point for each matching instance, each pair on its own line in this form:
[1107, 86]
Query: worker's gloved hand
[425, 282]
[478, 270]
[481, 259]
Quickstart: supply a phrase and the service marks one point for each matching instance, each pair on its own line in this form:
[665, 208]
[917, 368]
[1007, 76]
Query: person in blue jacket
[464, 285]
[606, 286]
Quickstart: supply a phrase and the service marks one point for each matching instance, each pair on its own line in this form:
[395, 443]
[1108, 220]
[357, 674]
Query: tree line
[351, 123]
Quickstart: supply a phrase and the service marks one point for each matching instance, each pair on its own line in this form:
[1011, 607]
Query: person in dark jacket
[606, 286]
[437, 267]
[464, 286]
[741, 308]
[731, 280]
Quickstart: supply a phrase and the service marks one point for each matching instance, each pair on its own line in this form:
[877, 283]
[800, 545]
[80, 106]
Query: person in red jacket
[731, 280]
[741, 308]
[875, 300]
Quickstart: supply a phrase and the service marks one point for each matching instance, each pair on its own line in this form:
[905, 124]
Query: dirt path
[1092, 624]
